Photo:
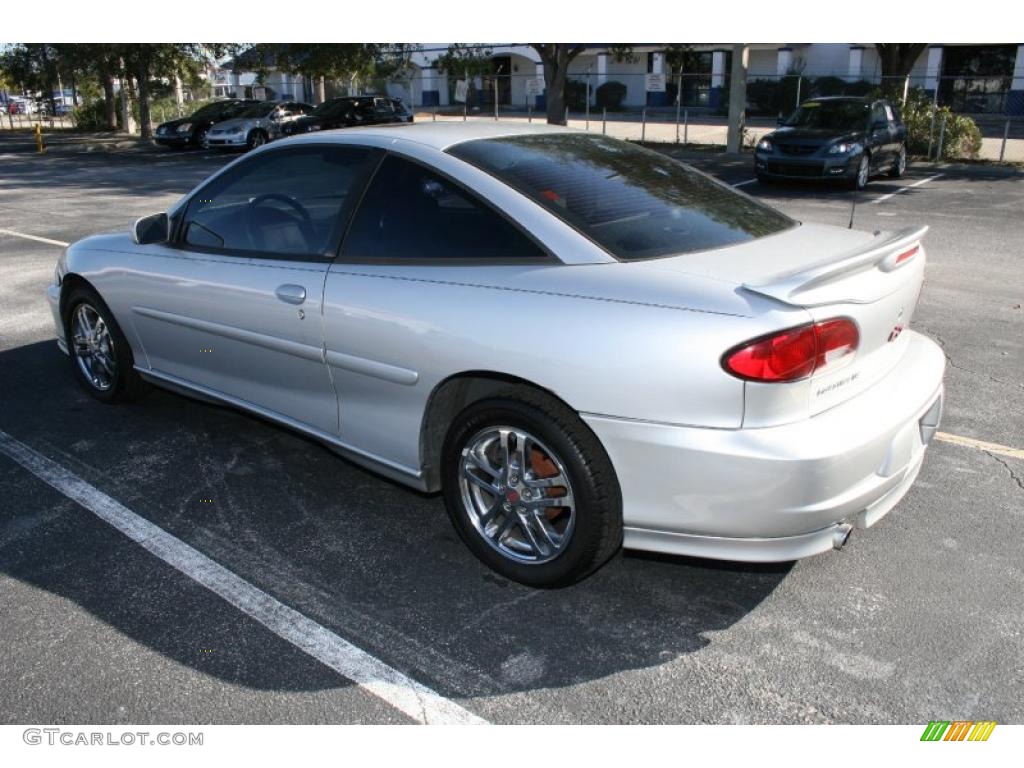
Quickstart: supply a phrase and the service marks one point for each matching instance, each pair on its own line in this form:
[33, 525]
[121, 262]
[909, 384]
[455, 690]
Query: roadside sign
[655, 82]
[535, 87]
[259, 93]
[461, 89]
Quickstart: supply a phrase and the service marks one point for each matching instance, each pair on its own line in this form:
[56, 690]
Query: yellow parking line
[981, 445]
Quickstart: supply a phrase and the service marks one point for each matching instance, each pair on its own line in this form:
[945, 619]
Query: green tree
[352, 62]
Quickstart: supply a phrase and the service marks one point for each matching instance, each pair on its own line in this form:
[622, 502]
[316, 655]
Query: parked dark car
[838, 137]
[191, 131]
[348, 111]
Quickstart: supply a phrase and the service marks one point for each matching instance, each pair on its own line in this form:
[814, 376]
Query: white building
[969, 78]
[978, 78]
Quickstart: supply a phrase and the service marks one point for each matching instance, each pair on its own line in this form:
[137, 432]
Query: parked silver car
[581, 342]
[256, 125]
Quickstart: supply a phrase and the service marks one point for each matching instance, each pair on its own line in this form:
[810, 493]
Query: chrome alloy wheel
[94, 348]
[516, 493]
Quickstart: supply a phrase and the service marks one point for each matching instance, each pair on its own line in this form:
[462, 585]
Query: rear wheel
[100, 356]
[530, 490]
[899, 165]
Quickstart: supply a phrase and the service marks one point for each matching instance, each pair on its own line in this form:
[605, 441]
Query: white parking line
[403, 693]
[901, 190]
[744, 183]
[47, 240]
[981, 445]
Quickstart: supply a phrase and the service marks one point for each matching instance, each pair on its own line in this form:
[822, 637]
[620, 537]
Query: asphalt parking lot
[919, 618]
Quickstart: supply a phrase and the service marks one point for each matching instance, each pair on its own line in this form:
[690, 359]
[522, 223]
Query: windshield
[212, 110]
[833, 115]
[633, 202]
[258, 110]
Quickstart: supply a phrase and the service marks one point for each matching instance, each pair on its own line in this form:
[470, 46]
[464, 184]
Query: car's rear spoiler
[831, 281]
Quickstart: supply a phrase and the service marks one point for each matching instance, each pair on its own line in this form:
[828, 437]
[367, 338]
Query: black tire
[200, 137]
[860, 180]
[256, 138]
[763, 179]
[597, 532]
[899, 165]
[125, 383]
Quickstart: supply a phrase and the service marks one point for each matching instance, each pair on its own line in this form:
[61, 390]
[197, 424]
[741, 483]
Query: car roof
[438, 135]
[858, 99]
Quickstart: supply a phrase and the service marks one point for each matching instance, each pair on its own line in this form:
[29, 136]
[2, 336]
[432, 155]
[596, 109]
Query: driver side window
[290, 203]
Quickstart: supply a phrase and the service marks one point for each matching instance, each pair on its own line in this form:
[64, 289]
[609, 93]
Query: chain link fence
[692, 108]
[948, 118]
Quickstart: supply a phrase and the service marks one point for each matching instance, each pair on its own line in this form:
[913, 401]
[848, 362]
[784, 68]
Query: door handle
[291, 294]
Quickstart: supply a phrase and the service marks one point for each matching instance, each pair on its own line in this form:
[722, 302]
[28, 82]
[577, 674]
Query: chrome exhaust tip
[841, 535]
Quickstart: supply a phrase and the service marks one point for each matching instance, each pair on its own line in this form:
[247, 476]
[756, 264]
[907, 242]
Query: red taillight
[907, 255]
[795, 353]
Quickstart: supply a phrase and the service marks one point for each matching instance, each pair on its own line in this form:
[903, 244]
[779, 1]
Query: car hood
[817, 136]
[173, 124]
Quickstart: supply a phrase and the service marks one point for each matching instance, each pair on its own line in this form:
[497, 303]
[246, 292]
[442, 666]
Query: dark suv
[191, 131]
[837, 137]
[348, 111]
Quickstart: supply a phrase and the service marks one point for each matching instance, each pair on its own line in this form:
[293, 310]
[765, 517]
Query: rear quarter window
[633, 202]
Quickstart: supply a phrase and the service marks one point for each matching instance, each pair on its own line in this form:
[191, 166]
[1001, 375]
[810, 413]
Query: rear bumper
[777, 493]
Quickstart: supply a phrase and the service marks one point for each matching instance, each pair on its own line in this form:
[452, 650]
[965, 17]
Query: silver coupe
[581, 343]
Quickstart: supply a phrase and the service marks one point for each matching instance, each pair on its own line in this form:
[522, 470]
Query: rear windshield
[633, 202]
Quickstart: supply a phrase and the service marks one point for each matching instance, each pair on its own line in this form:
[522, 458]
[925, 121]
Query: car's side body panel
[426, 324]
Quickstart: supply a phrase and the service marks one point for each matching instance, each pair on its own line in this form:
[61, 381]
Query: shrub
[773, 96]
[837, 86]
[961, 138]
[91, 116]
[576, 95]
[610, 95]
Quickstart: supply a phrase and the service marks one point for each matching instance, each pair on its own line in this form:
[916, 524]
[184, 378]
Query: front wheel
[100, 356]
[860, 179]
[530, 490]
[256, 138]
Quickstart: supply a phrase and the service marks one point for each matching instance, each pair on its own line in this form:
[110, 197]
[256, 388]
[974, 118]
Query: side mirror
[152, 229]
